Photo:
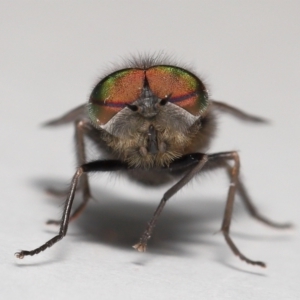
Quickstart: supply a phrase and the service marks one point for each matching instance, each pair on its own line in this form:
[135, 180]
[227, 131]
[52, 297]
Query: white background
[51, 55]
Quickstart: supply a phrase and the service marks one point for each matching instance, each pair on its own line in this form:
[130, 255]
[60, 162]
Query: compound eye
[113, 93]
[185, 89]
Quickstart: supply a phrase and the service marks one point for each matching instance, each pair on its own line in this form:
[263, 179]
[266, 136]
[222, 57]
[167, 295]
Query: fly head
[150, 115]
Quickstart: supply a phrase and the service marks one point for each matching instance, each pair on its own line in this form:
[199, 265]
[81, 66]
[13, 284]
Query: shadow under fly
[152, 121]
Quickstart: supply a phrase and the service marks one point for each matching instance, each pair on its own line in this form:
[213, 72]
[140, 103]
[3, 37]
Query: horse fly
[153, 121]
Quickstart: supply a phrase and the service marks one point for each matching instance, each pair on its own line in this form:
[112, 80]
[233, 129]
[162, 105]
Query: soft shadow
[241, 270]
[117, 221]
[223, 255]
[37, 264]
[281, 236]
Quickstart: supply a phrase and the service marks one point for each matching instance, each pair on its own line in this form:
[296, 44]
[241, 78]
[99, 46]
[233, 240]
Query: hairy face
[151, 114]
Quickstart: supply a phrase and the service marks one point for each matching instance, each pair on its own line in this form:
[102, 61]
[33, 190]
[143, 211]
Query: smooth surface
[51, 55]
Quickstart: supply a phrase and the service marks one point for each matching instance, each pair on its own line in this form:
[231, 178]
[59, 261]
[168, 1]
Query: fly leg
[254, 212]
[196, 160]
[80, 128]
[234, 181]
[72, 116]
[97, 166]
[196, 163]
[220, 162]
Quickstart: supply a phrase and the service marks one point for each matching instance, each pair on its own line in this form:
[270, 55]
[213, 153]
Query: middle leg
[80, 129]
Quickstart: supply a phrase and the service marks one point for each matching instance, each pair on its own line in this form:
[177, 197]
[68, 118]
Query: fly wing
[78, 113]
[237, 112]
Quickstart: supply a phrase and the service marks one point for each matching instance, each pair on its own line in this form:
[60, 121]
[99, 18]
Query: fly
[153, 121]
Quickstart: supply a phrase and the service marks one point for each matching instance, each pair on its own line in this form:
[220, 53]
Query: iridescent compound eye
[113, 93]
[125, 87]
[186, 90]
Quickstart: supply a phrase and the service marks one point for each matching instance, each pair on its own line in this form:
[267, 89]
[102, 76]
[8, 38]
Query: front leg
[195, 162]
[96, 166]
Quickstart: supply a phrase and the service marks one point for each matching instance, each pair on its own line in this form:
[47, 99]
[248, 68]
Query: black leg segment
[193, 164]
[97, 166]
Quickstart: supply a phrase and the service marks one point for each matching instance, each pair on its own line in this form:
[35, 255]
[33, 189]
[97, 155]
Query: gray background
[51, 55]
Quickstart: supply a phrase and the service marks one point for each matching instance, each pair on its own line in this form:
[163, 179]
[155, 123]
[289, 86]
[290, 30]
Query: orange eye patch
[125, 87]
